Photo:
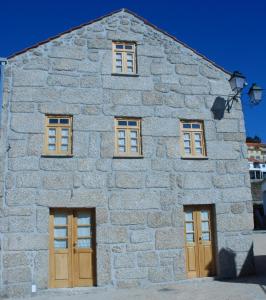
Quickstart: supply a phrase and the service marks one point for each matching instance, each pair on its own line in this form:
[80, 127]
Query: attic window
[124, 58]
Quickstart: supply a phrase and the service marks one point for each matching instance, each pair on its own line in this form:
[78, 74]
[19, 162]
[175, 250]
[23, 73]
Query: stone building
[114, 170]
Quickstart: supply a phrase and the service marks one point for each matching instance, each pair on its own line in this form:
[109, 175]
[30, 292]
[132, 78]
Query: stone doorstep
[95, 290]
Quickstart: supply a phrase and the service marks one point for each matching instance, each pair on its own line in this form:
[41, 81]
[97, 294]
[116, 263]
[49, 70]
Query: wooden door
[72, 248]
[199, 242]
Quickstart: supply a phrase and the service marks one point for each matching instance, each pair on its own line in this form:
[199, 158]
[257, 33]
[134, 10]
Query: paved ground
[251, 288]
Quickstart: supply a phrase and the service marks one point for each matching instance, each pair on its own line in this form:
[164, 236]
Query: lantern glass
[255, 94]
[237, 81]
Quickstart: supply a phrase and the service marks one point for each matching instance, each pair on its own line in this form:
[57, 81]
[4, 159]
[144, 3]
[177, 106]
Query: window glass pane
[189, 227]
[118, 69]
[52, 131]
[122, 149]
[133, 142]
[64, 141]
[118, 63]
[64, 121]
[128, 47]
[132, 123]
[205, 226]
[62, 244]
[60, 232]
[60, 219]
[51, 147]
[121, 142]
[196, 126]
[134, 149]
[53, 121]
[198, 144]
[130, 69]
[186, 125]
[186, 136]
[129, 64]
[119, 46]
[199, 150]
[123, 123]
[51, 140]
[206, 236]
[189, 216]
[64, 132]
[204, 215]
[187, 144]
[190, 237]
[84, 231]
[84, 243]
[64, 147]
[197, 136]
[133, 134]
[187, 150]
[83, 218]
[121, 134]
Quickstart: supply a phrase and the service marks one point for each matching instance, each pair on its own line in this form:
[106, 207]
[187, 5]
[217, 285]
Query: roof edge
[108, 15]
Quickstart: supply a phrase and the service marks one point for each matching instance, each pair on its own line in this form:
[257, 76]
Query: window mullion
[128, 141]
[58, 139]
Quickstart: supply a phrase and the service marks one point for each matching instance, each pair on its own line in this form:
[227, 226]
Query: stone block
[23, 241]
[184, 69]
[228, 181]
[134, 199]
[22, 107]
[159, 219]
[89, 198]
[125, 260]
[93, 123]
[152, 98]
[39, 63]
[59, 108]
[210, 72]
[69, 52]
[21, 224]
[107, 145]
[140, 247]
[236, 194]
[42, 219]
[104, 265]
[117, 97]
[197, 181]
[131, 273]
[161, 274]
[169, 238]
[102, 215]
[17, 275]
[133, 217]
[41, 269]
[226, 125]
[141, 236]
[23, 164]
[21, 196]
[129, 180]
[128, 284]
[158, 180]
[27, 123]
[28, 179]
[29, 78]
[160, 127]
[62, 64]
[127, 83]
[17, 148]
[112, 235]
[82, 96]
[234, 222]
[35, 144]
[94, 180]
[63, 80]
[57, 180]
[15, 259]
[47, 198]
[90, 81]
[223, 150]
[148, 259]
[57, 164]
[130, 165]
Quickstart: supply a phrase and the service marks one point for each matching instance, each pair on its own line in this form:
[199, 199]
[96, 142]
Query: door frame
[197, 207]
[71, 227]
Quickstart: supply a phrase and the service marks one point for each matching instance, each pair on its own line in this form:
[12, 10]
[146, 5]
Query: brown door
[72, 248]
[199, 242]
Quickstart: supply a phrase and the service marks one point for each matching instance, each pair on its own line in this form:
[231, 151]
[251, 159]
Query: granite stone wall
[139, 202]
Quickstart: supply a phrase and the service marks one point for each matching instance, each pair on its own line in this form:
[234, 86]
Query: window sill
[128, 157]
[194, 157]
[125, 74]
[57, 156]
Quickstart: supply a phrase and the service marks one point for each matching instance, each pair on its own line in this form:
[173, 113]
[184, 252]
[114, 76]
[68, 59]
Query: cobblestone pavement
[249, 288]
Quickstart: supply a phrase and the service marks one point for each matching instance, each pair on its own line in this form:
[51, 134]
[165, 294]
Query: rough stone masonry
[139, 202]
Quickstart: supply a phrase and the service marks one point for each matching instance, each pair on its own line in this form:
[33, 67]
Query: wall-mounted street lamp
[237, 83]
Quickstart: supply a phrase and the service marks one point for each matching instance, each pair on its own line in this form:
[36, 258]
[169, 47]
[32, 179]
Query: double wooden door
[72, 248]
[199, 241]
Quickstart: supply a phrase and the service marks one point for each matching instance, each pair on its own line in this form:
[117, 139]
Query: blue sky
[231, 33]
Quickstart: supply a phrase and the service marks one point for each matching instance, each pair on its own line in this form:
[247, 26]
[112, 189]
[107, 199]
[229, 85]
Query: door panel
[72, 247]
[199, 241]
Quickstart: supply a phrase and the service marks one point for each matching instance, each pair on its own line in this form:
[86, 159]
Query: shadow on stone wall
[253, 265]
[218, 108]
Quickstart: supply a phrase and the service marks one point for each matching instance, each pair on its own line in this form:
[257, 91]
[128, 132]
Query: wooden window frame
[191, 132]
[124, 53]
[128, 129]
[58, 136]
